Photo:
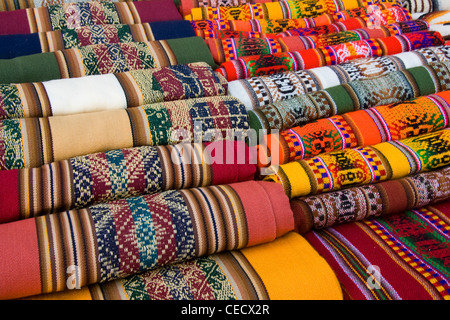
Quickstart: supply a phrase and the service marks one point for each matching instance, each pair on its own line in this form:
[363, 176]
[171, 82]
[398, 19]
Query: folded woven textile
[367, 32]
[425, 6]
[258, 65]
[86, 180]
[127, 236]
[345, 20]
[256, 92]
[289, 116]
[367, 202]
[17, 45]
[32, 142]
[228, 49]
[364, 165]
[11, 5]
[287, 268]
[77, 14]
[283, 9]
[359, 128]
[103, 59]
[439, 21]
[403, 256]
[110, 91]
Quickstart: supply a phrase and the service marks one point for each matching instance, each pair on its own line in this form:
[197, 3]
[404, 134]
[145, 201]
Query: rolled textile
[425, 6]
[439, 21]
[77, 14]
[228, 49]
[17, 45]
[32, 142]
[123, 237]
[110, 91]
[402, 256]
[364, 165]
[281, 9]
[285, 269]
[371, 201]
[251, 66]
[87, 180]
[393, 28]
[103, 59]
[359, 128]
[350, 19]
[289, 116]
[256, 92]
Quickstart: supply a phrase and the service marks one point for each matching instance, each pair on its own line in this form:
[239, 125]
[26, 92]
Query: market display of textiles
[225, 150]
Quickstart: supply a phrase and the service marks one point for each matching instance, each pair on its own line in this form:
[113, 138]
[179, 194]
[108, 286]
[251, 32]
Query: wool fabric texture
[360, 128]
[256, 92]
[251, 66]
[100, 177]
[228, 49]
[367, 202]
[32, 142]
[78, 14]
[167, 227]
[425, 6]
[287, 268]
[110, 91]
[439, 21]
[281, 9]
[394, 87]
[409, 251]
[363, 165]
[17, 45]
[103, 59]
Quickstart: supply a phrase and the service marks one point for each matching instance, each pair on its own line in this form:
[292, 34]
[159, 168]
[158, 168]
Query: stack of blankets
[225, 150]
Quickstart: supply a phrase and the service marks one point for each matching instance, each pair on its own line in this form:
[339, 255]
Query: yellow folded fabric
[288, 268]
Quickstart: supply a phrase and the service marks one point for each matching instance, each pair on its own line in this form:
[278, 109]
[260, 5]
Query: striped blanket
[17, 45]
[109, 91]
[100, 177]
[256, 92]
[394, 87]
[104, 58]
[228, 49]
[32, 142]
[76, 14]
[124, 237]
[257, 65]
[364, 165]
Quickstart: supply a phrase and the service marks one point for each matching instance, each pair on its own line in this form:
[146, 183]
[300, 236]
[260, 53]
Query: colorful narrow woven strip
[364, 165]
[78, 14]
[394, 87]
[282, 9]
[258, 65]
[32, 142]
[86, 180]
[360, 128]
[287, 268]
[17, 45]
[402, 256]
[367, 202]
[346, 20]
[257, 92]
[228, 49]
[124, 237]
[103, 59]
[110, 91]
